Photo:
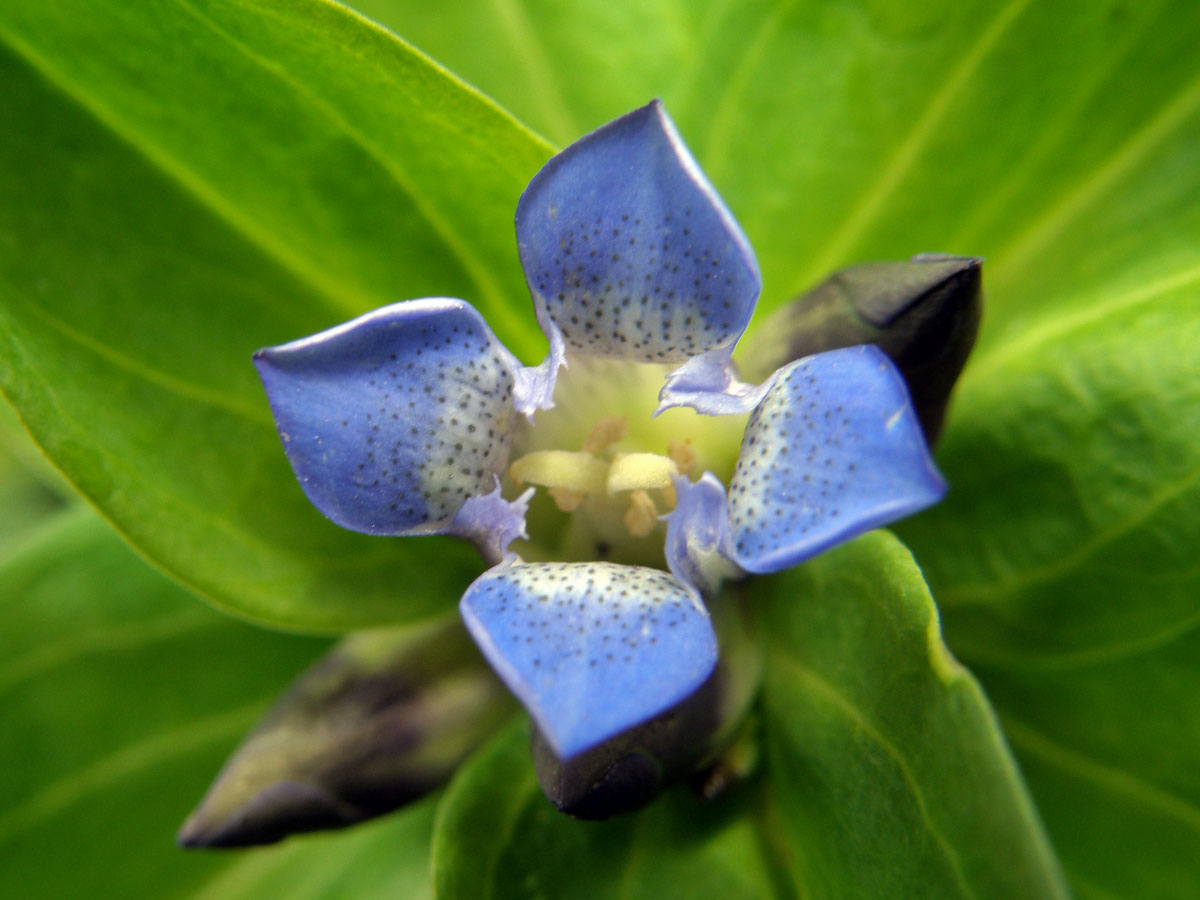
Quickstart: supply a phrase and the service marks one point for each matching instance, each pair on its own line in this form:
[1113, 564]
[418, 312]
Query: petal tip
[590, 649]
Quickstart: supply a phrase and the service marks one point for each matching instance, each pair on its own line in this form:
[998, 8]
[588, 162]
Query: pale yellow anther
[604, 434]
[640, 471]
[683, 455]
[566, 500]
[568, 469]
[642, 515]
[670, 497]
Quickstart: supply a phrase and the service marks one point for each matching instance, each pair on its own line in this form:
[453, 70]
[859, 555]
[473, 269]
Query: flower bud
[628, 771]
[382, 719]
[923, 313]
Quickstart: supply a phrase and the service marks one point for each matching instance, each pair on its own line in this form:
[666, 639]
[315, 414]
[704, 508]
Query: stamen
[566, 500]
[568, 469]
[640, 471]
[642, 515]
[604, 434]
[670, 496]
[683, 455]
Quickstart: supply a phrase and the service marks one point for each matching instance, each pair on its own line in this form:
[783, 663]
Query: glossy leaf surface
[183, 183]
[497, 836]
[120, 696]
[237, 175]
[846, 131]
[1065, 565]
[887, 769]
[883, 774]
[850, 130]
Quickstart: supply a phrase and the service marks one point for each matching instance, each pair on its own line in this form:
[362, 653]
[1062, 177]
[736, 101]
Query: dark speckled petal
[591, 649]
[629, 252]
[833, 450]
[392, 421]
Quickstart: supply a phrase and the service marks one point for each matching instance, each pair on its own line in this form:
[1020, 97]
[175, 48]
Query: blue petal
[591, 649]
[834, 449]
[697, 545]
[491, 522]
[393, 420]
[629, 252]
[707, 384]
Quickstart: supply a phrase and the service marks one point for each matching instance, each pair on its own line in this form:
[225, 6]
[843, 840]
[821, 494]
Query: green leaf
[497, 836]
[888, 774]
[884, 774]
[119, 698]
[1064, 559]
[187, 182]
[1056, 139]
[30, 491]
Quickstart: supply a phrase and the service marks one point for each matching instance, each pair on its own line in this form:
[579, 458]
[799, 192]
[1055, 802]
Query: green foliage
[235, 175]
[1064, 562]
[884, 775]
[182, 183]
[885, 766]
[497, 836]
[119, 698]
[1058, 140]
[29, 489]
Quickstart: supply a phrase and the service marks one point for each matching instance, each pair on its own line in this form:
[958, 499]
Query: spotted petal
[833, 449]
[628, 251]
[392, 421]
[591, 649]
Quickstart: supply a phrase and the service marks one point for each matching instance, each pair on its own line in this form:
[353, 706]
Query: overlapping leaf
[887, 773]
[498, 836]
[883, 775]
[120, 696]
[186, 182]
[1066, 568]
[1057, 140]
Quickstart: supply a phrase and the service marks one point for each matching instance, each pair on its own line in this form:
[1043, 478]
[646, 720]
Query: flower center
[574, 476]
[607, 465]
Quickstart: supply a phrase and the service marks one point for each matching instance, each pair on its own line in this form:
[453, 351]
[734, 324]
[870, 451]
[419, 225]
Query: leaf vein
[1107, 777]
[341, 300]
[872, 202]
[74, 787]
[49, 656]
[471, 265]
[530, 51]
[1021, 248]
[823, 688]
[716, 146]
[1061, 325]
[1064, 563]
[141, 369]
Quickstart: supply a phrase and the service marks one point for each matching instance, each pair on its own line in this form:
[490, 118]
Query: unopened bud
[685, 742]
[923, 313]
[382, 719]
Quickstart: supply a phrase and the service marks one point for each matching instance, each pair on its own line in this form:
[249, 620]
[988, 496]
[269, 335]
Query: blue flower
[415, 420]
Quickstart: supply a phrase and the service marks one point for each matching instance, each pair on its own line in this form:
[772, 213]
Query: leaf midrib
[476, 270]
[342, 300]
[871, 202]
[819, 686]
